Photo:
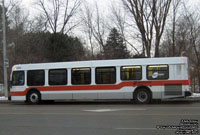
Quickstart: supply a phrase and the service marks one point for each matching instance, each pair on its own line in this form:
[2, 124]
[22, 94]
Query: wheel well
[31, 90]
[142, 87]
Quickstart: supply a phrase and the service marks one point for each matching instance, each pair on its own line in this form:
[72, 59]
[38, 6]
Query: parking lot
[99, 118]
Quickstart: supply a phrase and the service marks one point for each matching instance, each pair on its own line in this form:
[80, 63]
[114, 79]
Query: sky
[30, 3]
[30, 6]
[104, 4]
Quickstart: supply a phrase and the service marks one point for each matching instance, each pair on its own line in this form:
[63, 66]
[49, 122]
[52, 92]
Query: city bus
[140, 80]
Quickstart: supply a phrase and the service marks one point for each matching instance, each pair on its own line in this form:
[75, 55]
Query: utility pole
[5, 60]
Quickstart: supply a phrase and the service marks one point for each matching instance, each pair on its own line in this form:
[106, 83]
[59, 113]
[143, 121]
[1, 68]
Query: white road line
[136, 128]
[114, 110]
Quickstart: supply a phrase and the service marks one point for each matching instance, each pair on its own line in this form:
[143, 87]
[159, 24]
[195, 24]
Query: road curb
[5, 101]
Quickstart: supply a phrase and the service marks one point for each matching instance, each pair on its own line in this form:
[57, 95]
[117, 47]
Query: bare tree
[94, 25]
[175, 6]
[59, 14]
[193, 21]
[119, 19]
[87, 17]
[99, 28]
[161, 12]
[11, 4]
[18, 17]
[175, 30]
[186, 42]
[150, 17]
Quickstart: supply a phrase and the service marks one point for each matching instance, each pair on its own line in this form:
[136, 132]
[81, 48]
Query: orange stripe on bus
[103, 87]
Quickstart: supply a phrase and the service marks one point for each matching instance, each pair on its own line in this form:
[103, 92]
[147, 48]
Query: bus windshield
[18, 78]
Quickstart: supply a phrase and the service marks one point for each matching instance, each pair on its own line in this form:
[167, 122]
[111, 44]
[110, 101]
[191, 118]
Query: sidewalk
[195, 95]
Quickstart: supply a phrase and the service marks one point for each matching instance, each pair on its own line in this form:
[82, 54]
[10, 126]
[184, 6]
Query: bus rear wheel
[34, 97]
[142, 96]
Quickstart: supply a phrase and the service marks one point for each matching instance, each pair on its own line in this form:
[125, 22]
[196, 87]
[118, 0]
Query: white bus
[139, 79]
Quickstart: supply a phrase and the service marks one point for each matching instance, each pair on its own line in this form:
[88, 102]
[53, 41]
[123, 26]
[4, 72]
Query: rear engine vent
[171, 90]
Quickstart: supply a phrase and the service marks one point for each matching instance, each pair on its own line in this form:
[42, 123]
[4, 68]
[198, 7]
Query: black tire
[34, 97]
[142, 96]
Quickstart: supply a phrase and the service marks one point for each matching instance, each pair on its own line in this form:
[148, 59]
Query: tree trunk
[157, 47]
[173, 37]
[148, 51]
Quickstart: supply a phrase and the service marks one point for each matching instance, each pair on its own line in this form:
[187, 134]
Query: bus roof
[102, 63]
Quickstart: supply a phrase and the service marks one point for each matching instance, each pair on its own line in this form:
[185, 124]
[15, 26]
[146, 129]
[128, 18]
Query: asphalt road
[99, 118]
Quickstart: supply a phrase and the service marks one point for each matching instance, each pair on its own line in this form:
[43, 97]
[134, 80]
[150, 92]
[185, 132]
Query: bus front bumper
[18, 98]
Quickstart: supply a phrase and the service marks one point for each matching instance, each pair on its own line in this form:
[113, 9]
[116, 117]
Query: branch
[50, 21]
[67, 16]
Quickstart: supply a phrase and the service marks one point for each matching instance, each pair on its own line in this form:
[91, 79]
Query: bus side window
[57, 77]
[81, 76]
[105, 75]
[157, 72]
[131, 73]
[35, 78]
[18, 78]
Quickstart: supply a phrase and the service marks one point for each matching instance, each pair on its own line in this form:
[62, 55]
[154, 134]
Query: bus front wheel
[142, 96]
[33, 97]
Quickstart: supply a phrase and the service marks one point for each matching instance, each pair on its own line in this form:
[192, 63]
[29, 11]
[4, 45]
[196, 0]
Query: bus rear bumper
[188, 93]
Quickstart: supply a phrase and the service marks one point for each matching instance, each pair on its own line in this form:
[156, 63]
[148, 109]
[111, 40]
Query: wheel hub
[142, 96]
[34, 98]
